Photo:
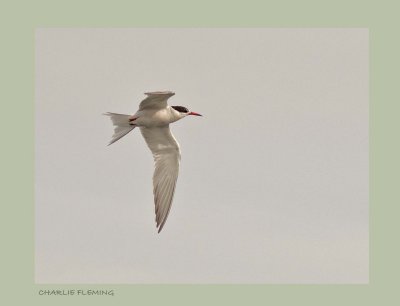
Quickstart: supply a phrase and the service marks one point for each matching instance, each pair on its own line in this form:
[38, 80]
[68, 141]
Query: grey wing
[155, 100]
[166, 155]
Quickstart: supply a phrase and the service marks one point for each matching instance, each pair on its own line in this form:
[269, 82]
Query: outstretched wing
[166, 155]
[155, 100]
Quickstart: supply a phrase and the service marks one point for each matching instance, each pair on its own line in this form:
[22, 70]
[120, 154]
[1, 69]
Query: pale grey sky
[273, 186]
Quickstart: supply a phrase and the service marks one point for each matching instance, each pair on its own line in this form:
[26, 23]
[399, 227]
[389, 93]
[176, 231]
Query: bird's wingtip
[159, 227]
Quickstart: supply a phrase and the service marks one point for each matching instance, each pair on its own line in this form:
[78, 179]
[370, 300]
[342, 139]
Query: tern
[153, 119]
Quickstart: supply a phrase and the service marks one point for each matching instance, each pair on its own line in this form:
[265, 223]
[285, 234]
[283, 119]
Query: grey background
[273, 186]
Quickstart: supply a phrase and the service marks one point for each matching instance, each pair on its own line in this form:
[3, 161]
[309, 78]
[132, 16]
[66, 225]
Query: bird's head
[182, 112]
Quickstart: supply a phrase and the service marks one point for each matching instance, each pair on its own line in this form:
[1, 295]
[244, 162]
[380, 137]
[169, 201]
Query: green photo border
[19, 19]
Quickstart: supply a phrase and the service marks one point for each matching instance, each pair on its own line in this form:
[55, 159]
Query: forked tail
[122, 126]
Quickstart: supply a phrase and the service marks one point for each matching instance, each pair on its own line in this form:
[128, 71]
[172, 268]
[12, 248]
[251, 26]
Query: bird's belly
[152, 118]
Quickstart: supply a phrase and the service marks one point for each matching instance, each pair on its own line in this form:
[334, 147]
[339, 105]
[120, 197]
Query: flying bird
[153, 119]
